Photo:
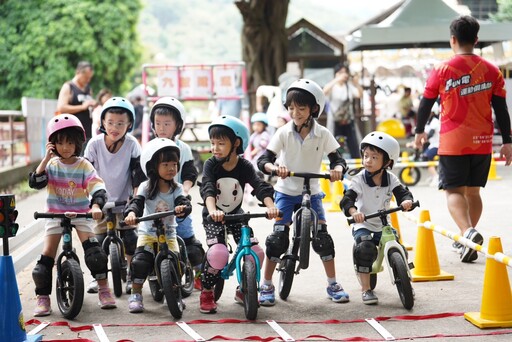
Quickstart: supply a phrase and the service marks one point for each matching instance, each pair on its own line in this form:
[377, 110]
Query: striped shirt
[69, 185]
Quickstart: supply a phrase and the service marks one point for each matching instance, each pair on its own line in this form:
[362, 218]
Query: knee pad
[364, 253]
[195, 251]
[42, 275]
[129, 238]
[141, 265]
[277, 242]
[95, 258]
[323, 244]
[217, 256]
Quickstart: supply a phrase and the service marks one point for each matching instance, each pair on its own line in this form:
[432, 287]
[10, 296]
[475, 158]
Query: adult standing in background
[341, 92]
[468, 85]
[75, 97]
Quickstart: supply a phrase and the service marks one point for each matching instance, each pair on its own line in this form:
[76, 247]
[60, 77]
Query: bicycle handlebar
[309, 175]
[111, 205]
[68, 214]
[241, 217]
[383, 212]
[155, 216]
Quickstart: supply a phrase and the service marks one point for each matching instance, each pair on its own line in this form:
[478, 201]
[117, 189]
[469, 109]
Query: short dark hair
[82, 65]
[73, 135]
[302, 98]
[465, 30]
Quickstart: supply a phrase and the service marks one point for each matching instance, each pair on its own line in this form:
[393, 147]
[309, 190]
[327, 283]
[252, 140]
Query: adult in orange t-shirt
[468, 86]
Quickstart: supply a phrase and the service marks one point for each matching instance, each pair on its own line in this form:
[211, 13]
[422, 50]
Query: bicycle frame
[388, 242]
[243, 249]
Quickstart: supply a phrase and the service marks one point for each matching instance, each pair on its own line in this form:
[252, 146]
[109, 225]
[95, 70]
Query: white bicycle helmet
[312, 88]
[383, 141]
[171, 103]
[153, 147]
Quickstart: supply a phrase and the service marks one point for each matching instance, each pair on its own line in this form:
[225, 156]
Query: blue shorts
[287, 203]
[185, 229]
[363, 231]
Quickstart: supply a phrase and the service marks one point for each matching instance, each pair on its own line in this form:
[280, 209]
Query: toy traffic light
[8, 215]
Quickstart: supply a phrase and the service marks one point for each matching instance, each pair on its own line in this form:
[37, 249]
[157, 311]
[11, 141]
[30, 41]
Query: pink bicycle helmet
[62, 121]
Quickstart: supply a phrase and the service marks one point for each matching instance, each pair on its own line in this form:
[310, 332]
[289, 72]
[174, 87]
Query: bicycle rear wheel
[305, 238]
[250, 289]
[70, 289]
[402, 280]
[115, 268]
[187, 279]
[171, 287]
[286, 274]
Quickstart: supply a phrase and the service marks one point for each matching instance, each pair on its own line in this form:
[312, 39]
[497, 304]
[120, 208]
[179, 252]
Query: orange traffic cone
[12, 323]
[496, 308]
[338, 190]
[396, 225]
[426, 263]
[493, 175]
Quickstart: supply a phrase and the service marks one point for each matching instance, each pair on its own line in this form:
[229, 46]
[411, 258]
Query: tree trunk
[264, 42]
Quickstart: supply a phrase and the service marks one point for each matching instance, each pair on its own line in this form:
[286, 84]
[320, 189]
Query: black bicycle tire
[402, 280]
[286, 274]
[415, 174]
[115, 269]
[155, 288]
[172, 289]
[217, 290]
[250, 289]
[70, 289]
[305, 238]
[373, 280]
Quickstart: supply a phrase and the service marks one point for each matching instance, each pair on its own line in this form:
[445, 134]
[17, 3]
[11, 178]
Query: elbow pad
[99, 198]
[37, 181]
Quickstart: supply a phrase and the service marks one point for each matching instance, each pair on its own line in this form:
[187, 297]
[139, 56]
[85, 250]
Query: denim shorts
[363, 231]
[287, 203]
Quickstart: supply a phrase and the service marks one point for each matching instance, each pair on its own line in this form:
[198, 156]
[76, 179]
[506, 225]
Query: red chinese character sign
[226, 82]
[167, 82]
[196, 83]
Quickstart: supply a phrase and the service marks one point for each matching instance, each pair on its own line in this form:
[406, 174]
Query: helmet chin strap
[307, 123]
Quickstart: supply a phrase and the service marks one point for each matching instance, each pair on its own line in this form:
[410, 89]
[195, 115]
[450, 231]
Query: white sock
[267, 282]
[331, 281]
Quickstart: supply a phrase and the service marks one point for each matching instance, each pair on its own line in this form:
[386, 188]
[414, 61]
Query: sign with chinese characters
[167, 82]
[225, 82]
[196, 83]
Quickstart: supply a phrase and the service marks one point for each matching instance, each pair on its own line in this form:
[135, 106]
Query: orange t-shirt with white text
[466, 84]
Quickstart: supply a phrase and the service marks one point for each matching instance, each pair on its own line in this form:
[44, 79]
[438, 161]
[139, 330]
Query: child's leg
[140, 267]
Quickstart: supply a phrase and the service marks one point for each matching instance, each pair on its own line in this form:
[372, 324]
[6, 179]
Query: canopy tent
[420, 24]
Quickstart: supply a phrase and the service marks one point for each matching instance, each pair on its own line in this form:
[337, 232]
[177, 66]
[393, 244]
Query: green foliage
[42, 42]
[504, 11]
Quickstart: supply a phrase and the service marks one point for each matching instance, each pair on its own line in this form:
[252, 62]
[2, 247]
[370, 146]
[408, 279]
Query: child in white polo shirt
[369, 192]
[299, 146]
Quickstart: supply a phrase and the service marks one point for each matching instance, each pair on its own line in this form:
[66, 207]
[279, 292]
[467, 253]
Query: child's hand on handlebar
[217, 216]
[272, 213]
[358, 217]
[96, 212]
[281, 171]
[336, 174]
[179, 210]
[407, 205]
[130, 219]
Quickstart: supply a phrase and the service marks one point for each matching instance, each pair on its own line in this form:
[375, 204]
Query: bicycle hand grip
[415, 204]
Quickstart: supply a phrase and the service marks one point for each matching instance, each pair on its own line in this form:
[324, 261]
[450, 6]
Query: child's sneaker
[468, 254]
[92, 287]
[370, 298]
[207, 302]
[267, 295]
[336, 293]
[135, 303]
[239, 296]
[43, 307]
[106, 299]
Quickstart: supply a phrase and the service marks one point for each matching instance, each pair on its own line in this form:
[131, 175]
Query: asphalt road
[307, 314]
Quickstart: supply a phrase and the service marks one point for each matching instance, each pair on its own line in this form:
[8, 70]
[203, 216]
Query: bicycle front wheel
[219, 287]
[250, 290]
[115, 268]
[70, 289]
[402, 280]
[171, 287]
[187, 279]
[305, 238]
[286, 274]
